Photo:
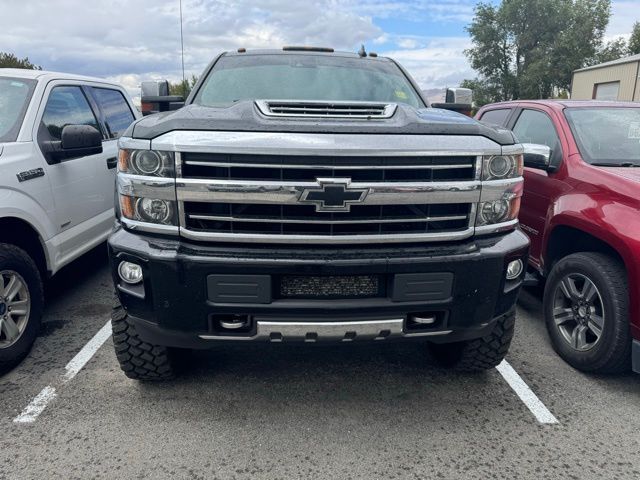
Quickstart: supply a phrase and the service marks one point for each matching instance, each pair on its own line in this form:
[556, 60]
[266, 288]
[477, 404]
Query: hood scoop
[319, 109]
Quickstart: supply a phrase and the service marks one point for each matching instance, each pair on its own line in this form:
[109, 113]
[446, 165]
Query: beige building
[615, 80]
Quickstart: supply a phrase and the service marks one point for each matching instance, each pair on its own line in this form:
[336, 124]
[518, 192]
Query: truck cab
[580, 210]
[58, 154]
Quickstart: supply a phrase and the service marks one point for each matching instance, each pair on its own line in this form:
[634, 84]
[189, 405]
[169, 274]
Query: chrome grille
[355, 110]
[263, 198]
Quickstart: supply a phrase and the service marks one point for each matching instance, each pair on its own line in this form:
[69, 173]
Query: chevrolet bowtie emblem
[333, 195]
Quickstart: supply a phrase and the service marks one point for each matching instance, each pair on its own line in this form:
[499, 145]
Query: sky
[134, 40]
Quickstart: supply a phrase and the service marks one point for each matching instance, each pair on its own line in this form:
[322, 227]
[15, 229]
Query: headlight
[498, 167]
[154, 163]
[498, 211]
[148, 210]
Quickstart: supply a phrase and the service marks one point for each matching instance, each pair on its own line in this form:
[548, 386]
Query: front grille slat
[281, 219]
[256, 197]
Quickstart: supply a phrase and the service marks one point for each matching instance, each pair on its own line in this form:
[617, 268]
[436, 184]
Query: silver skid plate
[326, 331]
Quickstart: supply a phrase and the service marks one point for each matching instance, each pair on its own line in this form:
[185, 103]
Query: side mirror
[537, 156]
[155, 98]
[76, 141]
[81, 137]
[459, 95]
[457, 99]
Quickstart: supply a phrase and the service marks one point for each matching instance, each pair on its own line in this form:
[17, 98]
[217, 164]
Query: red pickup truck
[581, 210]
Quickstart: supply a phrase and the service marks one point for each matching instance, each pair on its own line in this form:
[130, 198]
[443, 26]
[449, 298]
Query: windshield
[15, 94]
[607, 136]
[305, 77]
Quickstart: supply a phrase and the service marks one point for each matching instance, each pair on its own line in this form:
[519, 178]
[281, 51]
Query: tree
[634, 40]
[9, 60]
[183, 88]
[613, 50]
[529, 48]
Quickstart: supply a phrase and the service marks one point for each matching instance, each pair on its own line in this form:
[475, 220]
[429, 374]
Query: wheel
[138, 359]
[479, 354]
[21, 303]
[586, 309]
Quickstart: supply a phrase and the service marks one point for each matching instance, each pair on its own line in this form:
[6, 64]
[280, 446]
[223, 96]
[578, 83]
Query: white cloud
[408, 43]
[439, 63]
[140, 40]
[141, 37]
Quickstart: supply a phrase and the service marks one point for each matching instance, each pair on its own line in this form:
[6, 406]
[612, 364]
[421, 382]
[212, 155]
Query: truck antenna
[184, 87]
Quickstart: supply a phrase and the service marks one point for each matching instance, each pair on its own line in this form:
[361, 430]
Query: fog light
[130, 273]
[514, 269]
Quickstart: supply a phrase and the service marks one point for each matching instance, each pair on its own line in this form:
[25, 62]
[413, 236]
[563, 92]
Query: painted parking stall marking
[83, 356]
[48, 393]
[518, 385]
[37, 405]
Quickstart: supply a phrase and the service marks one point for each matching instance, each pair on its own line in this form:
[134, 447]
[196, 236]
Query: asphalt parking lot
[373, 411]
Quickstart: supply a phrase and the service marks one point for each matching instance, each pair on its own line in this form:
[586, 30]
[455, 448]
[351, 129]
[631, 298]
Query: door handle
[112, 162]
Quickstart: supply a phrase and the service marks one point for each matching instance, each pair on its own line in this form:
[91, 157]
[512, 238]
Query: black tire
[15, 259]
[139, 360]
[479, 354]
[612, 351]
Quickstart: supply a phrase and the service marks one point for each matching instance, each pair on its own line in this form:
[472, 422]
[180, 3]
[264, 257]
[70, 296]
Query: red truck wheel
[586, 312]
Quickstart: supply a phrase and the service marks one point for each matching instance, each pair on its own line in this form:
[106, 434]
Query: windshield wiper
[622, 164]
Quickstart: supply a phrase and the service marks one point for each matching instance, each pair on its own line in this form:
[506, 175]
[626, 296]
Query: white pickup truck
[58, 155]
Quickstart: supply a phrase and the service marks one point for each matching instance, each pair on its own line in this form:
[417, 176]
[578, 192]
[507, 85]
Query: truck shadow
[62, 301]
[366, 383]
[77, 272]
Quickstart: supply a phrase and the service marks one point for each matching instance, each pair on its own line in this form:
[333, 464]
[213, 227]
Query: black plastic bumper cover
[174, 305]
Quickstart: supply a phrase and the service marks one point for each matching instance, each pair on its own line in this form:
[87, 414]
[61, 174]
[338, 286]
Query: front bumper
[176, 306]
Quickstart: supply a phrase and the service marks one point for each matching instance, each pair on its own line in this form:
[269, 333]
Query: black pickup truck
[308, 195]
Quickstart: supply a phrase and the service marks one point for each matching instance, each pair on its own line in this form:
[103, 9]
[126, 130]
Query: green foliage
[9, 60]
[183, 88]
[529, 48]
[613, 50]
[634, 40]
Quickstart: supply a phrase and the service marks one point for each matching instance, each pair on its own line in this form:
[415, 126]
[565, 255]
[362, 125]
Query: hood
[244, 116]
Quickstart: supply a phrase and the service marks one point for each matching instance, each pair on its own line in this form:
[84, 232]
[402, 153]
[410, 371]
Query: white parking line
[37, 405]
[533, 403]
[48, 393]
[84, 355]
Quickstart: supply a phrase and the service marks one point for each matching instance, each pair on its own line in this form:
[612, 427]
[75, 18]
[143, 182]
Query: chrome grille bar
[326, 239]
[226, 218]
[396, 193]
